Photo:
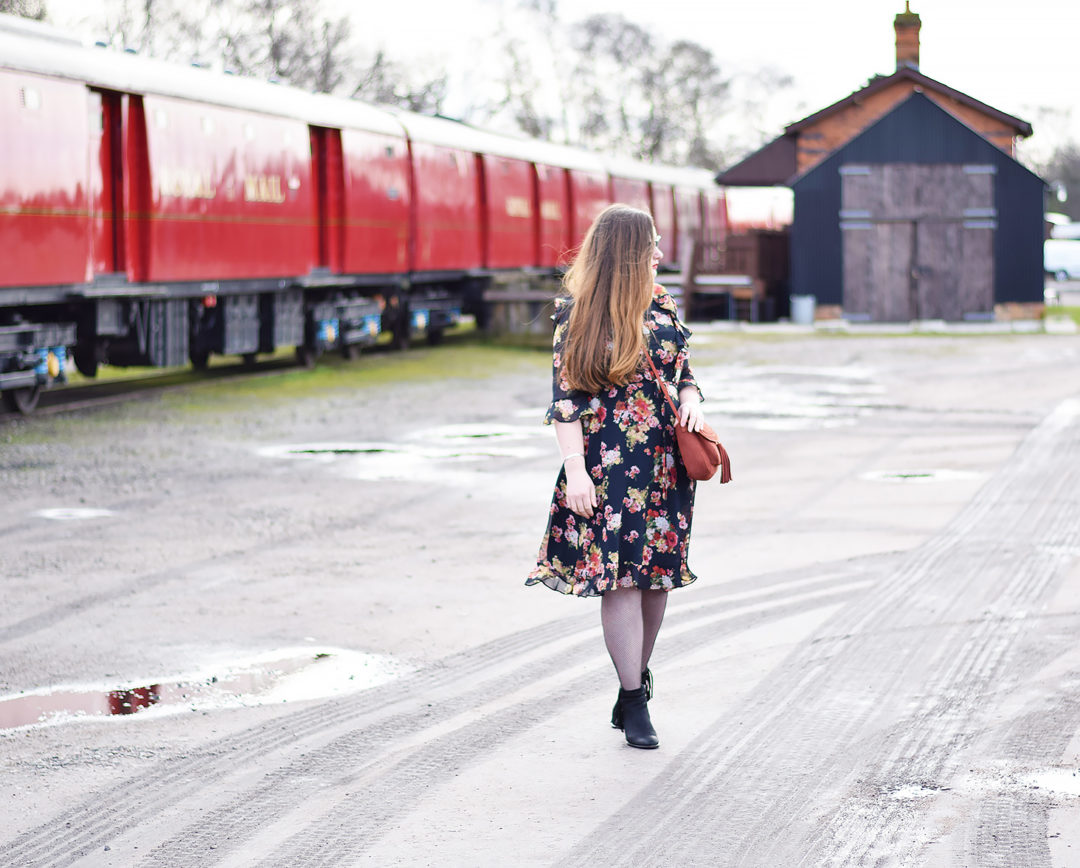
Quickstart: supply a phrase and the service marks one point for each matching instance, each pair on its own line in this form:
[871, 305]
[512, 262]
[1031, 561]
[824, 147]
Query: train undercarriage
[176, 325]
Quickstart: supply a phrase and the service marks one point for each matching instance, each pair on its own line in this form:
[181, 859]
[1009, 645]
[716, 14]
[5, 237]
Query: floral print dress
[639, 535]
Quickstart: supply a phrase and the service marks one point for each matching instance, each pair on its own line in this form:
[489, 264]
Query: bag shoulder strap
[660, 383]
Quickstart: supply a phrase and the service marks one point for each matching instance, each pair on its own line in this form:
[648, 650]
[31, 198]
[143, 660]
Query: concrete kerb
[1052, 325]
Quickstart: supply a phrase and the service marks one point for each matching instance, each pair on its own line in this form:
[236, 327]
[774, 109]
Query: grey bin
[802, 309]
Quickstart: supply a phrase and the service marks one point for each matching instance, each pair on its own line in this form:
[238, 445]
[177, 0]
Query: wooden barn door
[918, 241]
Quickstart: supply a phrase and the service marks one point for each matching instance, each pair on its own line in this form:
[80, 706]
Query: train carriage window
[390, 151]
[207, 125]
[249, 132]
[161, 119]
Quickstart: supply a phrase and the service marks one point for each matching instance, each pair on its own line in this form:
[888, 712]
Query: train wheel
[23, 400]
[249, 360]
[435, 337]
[351, 352]
[86, 360]
[306, 356]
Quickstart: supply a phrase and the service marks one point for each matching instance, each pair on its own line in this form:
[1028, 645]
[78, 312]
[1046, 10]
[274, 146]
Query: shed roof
[941, 137]
[775, 163]
[881, 82]
[768, 166]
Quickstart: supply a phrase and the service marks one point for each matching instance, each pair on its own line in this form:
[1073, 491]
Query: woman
[619, 522]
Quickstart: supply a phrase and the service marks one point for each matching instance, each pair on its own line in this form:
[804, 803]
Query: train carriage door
[483, 191]
[329, 178]
[106, 182]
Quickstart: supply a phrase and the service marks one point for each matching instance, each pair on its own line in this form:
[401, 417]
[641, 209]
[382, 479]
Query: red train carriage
[553, 215]
[369, 196]
[47, 190]
[662, 203]
[151, 214]
[223, 181]
[570, 186]
[590, 193]
[631, 191]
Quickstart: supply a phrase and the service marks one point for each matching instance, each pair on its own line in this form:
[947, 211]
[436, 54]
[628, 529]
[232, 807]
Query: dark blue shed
[918, 217]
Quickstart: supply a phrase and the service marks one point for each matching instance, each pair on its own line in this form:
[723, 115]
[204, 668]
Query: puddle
[327, 452]
[918, 476]
[1065, 782]
[460, 456]
[324, 452]
[73, 513]
[281, 676]
[486, 432]
[780, 398]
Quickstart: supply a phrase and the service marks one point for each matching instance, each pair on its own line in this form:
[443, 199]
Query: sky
[1017, 57]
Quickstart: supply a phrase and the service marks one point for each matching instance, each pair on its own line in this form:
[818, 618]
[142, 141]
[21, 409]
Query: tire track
[1034, 531]
[1011, 828]
[391, 710]
[814, 740]
[355, 825]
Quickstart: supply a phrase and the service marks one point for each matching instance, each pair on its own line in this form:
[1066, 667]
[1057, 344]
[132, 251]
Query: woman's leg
[621, 617]
[653, 604]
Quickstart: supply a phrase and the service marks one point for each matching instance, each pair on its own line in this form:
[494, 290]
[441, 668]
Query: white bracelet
[580, 455]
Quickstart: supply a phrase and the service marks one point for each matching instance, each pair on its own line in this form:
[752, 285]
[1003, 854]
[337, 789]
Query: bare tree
[1062, 172]
[291, 41]
[150, 27]
[612, 54]
[686, 94]
[387, 82]
[645, 98]
[608, 83]
[520, 88]
[34, 9]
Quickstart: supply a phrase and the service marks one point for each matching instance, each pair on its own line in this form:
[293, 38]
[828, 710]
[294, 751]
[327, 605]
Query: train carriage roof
[622, 167]
[42, 50]
[31, 47]
[455, 134]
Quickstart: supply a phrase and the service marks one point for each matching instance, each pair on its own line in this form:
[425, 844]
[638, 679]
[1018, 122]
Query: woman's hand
[690, 415]
[580, 491]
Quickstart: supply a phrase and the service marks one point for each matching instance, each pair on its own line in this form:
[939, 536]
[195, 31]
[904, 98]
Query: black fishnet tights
[631, 619]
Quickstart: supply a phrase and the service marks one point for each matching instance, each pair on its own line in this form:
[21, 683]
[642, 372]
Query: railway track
[95, 394]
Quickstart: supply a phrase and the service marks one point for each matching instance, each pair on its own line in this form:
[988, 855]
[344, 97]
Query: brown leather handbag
[701, 451]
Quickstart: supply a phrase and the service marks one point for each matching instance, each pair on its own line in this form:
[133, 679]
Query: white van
[1061, 258]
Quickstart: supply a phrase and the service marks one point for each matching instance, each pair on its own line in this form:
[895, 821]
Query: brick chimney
[907, 25]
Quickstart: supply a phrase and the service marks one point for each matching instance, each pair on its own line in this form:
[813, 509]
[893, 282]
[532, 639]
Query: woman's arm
[580, 491]
[690, 414]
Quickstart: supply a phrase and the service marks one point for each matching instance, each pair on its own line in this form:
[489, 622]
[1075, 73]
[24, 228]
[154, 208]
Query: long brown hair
[611, 282]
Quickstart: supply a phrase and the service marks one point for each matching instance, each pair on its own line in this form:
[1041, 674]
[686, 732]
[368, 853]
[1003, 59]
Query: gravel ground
[878, 666]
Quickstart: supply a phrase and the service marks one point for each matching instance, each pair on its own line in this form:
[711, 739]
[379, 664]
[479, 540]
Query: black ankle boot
[616, 712]
[634, 708]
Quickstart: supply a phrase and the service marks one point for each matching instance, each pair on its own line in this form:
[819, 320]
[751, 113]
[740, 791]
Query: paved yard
[314, 581]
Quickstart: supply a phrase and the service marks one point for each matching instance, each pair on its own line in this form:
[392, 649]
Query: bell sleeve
[567, 405]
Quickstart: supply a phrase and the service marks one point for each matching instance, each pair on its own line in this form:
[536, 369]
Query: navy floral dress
[639, 535]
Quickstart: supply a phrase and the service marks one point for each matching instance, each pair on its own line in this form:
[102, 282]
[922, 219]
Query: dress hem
[559, 583]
